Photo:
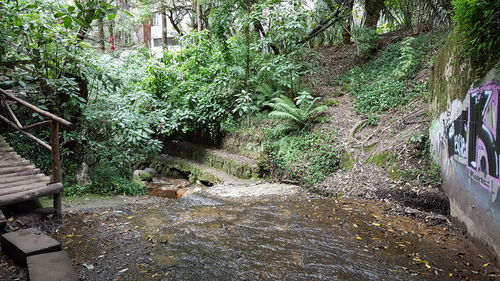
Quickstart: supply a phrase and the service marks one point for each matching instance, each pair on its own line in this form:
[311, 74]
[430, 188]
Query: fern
[299, 114]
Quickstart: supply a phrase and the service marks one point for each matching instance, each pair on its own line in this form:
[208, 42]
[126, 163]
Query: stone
[27, 242]
[55, 266]
[151, 171]
[83, 175]
[141, 176]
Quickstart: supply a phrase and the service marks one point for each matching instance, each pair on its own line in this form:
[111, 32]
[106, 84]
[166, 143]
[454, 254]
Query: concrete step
[230, 163]
[168, 165]
[23, 243]
[55, 266]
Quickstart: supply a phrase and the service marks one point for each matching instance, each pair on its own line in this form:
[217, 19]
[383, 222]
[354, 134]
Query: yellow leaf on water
[450, 274]
[486, 264]
[69, 235]
[10, 219]
[376, 224]
[359, 238]
[355, 225]
[428, 266]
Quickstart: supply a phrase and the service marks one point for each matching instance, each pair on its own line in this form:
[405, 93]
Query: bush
[387, 82]
[108, 180]
[309, 158]
[478, 23]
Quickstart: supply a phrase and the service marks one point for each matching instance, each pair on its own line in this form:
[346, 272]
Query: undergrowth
[107, 180]
[306, 157]
[388, 81]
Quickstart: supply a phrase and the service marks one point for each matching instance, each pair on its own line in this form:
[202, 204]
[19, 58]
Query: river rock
[83, 175]
[141, 176]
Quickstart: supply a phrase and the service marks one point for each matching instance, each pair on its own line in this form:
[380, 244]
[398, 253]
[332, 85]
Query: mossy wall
[451, 76]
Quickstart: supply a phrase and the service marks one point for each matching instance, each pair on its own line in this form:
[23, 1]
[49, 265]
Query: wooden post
[56, 164]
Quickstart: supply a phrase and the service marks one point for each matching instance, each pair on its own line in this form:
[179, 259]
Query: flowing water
[206, 238]
[300, 237]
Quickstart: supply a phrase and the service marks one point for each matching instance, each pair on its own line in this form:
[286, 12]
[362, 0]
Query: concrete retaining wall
[465, 141]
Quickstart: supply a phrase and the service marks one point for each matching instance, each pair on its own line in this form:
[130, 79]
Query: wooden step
[43, 180]
[9, 170]
[22, 188]
[14, 163]
[9, 156]
[13, 179]
[21, 173]
[30, 194]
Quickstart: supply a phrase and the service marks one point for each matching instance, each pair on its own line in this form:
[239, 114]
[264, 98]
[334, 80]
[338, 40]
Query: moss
[389, 162]
[347, 162]
[451, 76]
[145, 176]
[337, 94]
[331, 102]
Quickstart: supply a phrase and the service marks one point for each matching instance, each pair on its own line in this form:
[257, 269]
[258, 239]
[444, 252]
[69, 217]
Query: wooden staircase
[20, 180]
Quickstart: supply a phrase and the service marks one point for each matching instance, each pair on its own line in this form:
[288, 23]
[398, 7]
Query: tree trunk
[373, 8]
[346, 30]
[198, 15]
[101, 39]
[146, 34]
[164, 31]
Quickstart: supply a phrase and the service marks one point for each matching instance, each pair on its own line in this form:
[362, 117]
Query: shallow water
[302, 239]
[206, 237]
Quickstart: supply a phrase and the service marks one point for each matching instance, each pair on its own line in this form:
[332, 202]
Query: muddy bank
[273, 237]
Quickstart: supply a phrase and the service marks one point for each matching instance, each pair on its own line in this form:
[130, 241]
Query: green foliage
[298, 114]
[429, 172]
[415, 16]
[387, 82]
[478, 23]
[77, 190]
[308, 157]
[108, 180]
[366, 40]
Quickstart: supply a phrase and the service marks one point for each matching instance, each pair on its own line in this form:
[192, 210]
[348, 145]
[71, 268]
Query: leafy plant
[308, 158]
[478, 23]
[386, 82]
[298, 114]
[245, 105]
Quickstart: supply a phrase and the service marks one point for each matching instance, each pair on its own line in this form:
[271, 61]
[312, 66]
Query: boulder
[141, 176]
[83, 175]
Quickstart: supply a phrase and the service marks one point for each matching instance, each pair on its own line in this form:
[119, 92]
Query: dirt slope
[375, 155]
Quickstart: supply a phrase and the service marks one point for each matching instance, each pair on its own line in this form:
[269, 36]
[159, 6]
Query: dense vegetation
[240, 59]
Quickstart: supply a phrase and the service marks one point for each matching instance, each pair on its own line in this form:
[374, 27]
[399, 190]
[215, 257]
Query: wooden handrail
[35, 109]
[54, 147]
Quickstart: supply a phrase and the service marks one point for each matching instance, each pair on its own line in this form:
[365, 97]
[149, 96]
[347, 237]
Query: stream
[299, 237]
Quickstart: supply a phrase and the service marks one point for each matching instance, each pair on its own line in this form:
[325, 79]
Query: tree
[373, 9]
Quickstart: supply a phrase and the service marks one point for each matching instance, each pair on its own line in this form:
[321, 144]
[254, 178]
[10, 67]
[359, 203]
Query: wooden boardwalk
[20, 180]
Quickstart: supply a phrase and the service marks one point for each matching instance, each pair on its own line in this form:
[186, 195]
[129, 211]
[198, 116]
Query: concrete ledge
[55, 266]
[27, 242]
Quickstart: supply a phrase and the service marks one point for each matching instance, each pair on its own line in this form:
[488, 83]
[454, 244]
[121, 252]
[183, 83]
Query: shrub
[298, 114]
[309, 158]
[478, 23]
[387, 82]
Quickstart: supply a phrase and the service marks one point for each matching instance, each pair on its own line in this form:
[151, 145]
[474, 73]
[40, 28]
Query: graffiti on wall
[474, 136]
